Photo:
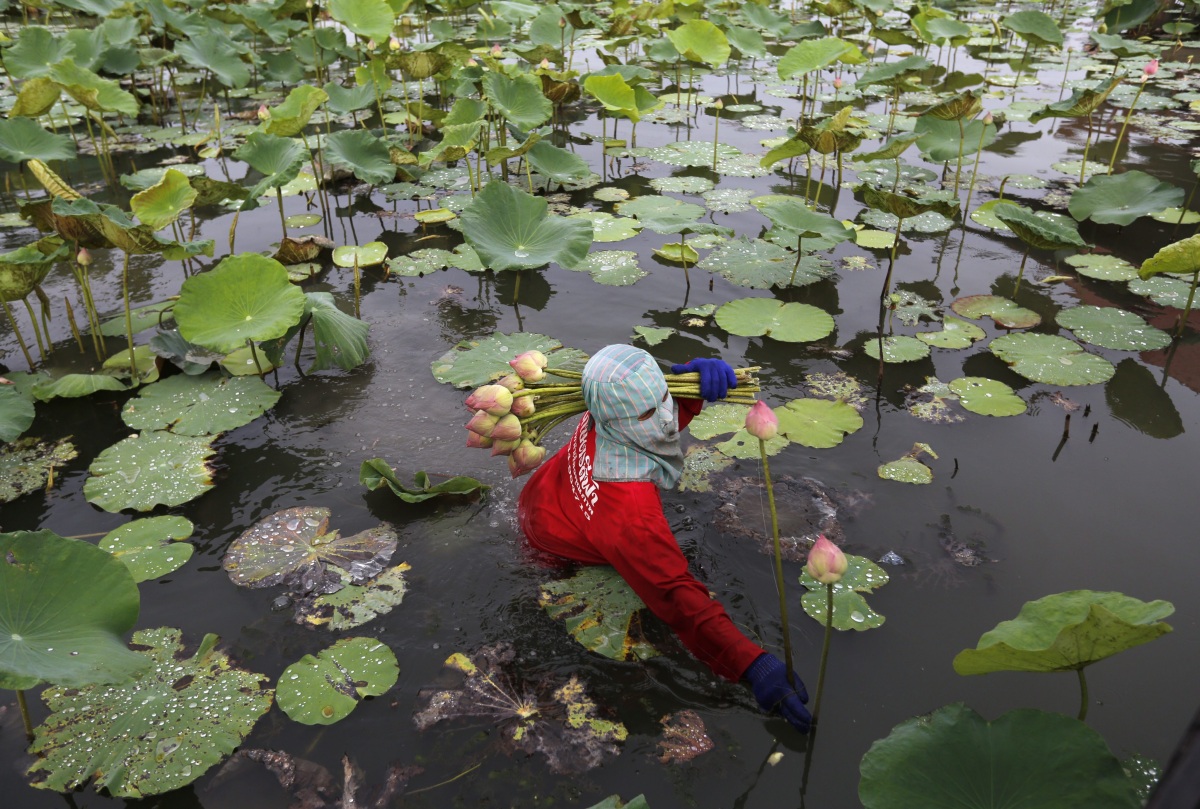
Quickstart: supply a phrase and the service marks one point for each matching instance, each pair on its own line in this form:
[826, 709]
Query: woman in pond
[596, 502]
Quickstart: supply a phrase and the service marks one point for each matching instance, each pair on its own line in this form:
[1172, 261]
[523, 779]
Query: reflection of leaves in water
[684, 738]
[563, 726]
[312, 786]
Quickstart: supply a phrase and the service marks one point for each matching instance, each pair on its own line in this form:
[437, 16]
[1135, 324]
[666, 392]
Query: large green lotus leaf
[1051, 359]
[965, 105]
[289, 118]
[616, 268]
[213, 51]
[519, 99]
[1112, 328]
[292, 547]
[340, 339]
[897, 348]
[162, 203]
[362, 153]
[472, 363]
[511, 230]
[278, 159]
[718, 419]
[597, 607]
[148, 470]
[74, 386]
[1182, 256]
[24, 139]
[1105, 267]
[375, 473]
[151, 547]
[794, 146]
[93, 92]
[817, 423]
[1066, 632]
[245, 297]
[955, 334]
[940, 30]
[1119, 46]
[200, 405]
[35, 52]
[66, 607]
[1005, 312]
[701, 41]
[1026, 759]
[1118, 199]
[324, 689]
[1082, 102]
[1034, 26]
[158, 733]
[893, 73]
[27, 464]
[850, 609]
[814, 54]
[24, 268]
[662, 214]
[370, 19]
[795, 217]
[557, 163]
[987, 396]
[355, 604]
[942, 141]
[760, 264]
[787, 322]
[16, 413]
[345, 100]
[619, 96]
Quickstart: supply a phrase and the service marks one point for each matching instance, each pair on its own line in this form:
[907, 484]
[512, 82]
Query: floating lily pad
[1066, 632]
[1051, 359]
[27, 464]
[1176, 216]
[1163, 290]
[151, 547]
[955, 334]
[1112, 328]
[293, 547]
[598, 609]
[376, 473]
[760, 264]
[609, 228]
[324, 689]
[699, 464]
[148, 470]
[662, 214]
[1103, 267]
[472, 363]
[155, 734]
[818, 423]
[1026, 758]
[728, 200]
[786, 322]
[355, 604]
[931, 402]
[897, 349]
[653, 336]
[874, 239]
[367, 255]
[684, 738]
[681, 185]
[199, 405]
[1119, 199]
[1005, 312]
[850, 609]
[614, 268]
[906, 470]
[987, 396]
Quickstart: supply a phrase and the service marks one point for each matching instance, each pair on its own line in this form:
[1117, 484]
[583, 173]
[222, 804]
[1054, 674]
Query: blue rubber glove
[767, 676]
[716, 377]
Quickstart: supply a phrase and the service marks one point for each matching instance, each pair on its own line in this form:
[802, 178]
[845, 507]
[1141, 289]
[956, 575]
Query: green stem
[1188, 308]
[1124, 125]
[1083, 695]
[1021, 272]
[716, 143]
[816, 711]
[24, 706]
[254, 356]
[1086, 145]
[962, 137]
[37, 333]
[133, 374]
[20, 340]
[975, 170]
[783, 615]
[282, 218]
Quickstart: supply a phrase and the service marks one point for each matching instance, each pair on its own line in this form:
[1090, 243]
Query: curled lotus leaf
[324, 689]
[376, 473]
[1051, 359]
[560, 722]
[1182, 256]
[355, 604]
[684, 737]
[906, 207]
[199, 405]
[598, 608]
[155, 734]
[293, 547]
[1083, 102]
[850, 609]
[151, 547]
[24, 268]
[148, 470]
[162, 203]
[289, 118]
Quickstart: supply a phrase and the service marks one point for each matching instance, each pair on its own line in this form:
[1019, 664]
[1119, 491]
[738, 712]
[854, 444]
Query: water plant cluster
[523, 138]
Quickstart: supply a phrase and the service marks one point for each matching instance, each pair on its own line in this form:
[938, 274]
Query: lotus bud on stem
[827, 564]
[1149, 70]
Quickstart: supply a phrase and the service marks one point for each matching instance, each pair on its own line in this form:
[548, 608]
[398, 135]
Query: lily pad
[293, 547]
[817, 423]
[1103, 267]
[376, 473]
[1112, 328]
[367, 255]
[787, 322]
[1005, 312]
[472, 363]
[27, 464]
[651, 335]
[151, 547]
[511, 230]
[598, 608]
[987, 396]
[614, 268]
[897, 348]
[684, 738]
[1024, 759]
[609, 228]
[199, 405]
[16, 413]
[850, 609]
[1119, 199]
[906, 470]
[158, 733]
[1051, 359]
[355, 604]
[324, 689]
[1066, 632]
[148, 470]
[66, 608]
[245, 297]
[955, 334]
[760, 264]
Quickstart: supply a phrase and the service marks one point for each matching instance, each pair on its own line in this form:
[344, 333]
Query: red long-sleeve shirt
[564, 512]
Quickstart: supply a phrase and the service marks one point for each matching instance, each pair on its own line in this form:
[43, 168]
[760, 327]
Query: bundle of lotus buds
[515, 413]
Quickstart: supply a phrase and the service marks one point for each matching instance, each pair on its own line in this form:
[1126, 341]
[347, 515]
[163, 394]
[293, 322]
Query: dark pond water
[1110, 509]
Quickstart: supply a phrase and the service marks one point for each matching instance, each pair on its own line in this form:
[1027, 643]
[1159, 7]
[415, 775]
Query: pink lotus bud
[495, 399]
[471, 62]
[523, 407]
[1151, 68]
[482, 423]
[837, 83]
[497, 50]
[512, 382]
[988, 118]
[83, 257]
[477, 441]
[826, 562]
[505, 447]
[530, 366]
[263, 112]
[507, 428]
[394, 44]
[871, 49]
[371, 45]
[525, 458]
[761, 422]
[544, 64]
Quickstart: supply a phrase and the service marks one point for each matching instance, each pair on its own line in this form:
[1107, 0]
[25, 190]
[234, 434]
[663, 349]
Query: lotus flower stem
[1083, 695]
[357, 286]
[1187, 309]
[816, 711]
[74, 325]
[1124, 125]
[716, 127]
[783, 615]
[20, 340]
[282, 218]
[24, 706]
[799, 255]
[1086, 144]
[1021, 271]
[962, 137]
[975, 169]
[254, 356]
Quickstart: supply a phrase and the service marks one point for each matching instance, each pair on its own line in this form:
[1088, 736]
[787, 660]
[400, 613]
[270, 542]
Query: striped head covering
[620, 383]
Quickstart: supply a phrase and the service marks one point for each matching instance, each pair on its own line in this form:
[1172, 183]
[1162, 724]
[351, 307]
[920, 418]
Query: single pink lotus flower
[1151, 68]
[523, 407]
[525, 458]
[83, 257]
[495, 399]
[512, 382]
[505, 447]
[263, 112]
[508, 428]
[477, 441]
[826, 562]
[761, 422]
[988, 118]
[837, 83]
[482, 423]
[530, 366]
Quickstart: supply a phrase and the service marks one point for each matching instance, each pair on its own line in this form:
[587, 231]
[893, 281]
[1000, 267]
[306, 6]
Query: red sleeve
[688, 410]
[638, 542]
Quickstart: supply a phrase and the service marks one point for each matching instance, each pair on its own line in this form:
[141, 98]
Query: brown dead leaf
[684, 738]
